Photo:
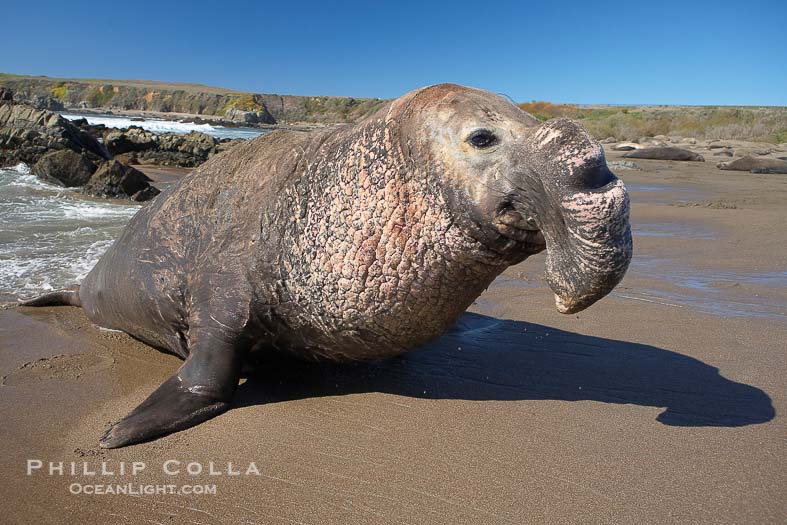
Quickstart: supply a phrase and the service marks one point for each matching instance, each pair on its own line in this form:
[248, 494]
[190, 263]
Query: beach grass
[752, 123]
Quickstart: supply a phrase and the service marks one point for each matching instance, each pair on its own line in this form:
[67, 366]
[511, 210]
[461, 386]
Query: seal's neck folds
[378, 255]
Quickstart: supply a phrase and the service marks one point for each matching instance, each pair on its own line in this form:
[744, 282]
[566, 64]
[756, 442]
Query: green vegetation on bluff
[101, 95]
[243, 102]
[60, 92]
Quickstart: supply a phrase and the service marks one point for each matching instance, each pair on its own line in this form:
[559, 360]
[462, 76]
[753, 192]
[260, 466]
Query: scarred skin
[356, 243]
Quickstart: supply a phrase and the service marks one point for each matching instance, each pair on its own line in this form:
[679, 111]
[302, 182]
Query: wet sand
[663, 402]
[163, 176]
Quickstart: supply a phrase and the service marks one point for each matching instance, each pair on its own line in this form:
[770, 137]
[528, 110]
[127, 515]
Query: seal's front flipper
[201, 389]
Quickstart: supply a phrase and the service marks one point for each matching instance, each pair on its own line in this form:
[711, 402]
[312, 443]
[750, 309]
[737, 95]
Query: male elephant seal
[355, 243]
[665, 153]
[755, 165]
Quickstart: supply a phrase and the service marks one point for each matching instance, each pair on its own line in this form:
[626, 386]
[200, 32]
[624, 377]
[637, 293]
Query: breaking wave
[50, 236]
[168, 126]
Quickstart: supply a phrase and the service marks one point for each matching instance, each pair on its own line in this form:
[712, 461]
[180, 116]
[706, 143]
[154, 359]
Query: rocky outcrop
[45, 102]
[240, 116]
[28, 133]
[755, 165]
[168, 149]
[196, 144]
[61, 153]
[64, 168]
[111, 179]
[96, 130]
[119, 141]
[116, 180]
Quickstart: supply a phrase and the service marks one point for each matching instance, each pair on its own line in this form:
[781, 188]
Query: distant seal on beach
[755, 165]
[360, 242]
[627, 146]
[665, 153]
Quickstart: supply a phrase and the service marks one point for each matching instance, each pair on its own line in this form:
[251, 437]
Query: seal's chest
[387, 290]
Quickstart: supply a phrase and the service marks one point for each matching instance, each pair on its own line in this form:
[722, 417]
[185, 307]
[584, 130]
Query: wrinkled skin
[356, 243]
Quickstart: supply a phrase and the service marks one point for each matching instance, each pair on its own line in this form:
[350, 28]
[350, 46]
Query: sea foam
[167, 126]
[51, 236]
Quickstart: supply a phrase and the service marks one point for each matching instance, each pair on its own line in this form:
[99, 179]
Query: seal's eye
[482, 138]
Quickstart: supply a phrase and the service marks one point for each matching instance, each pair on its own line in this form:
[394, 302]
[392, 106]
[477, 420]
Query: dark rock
[760, 164]
[64, 168]
[46, 102]
[250, 117]
[180, 150]
[6, 95]
[138, 146]
[194, 143]
[96, 130]
[665, 153]
[146, 194]
[27, 134]
[128, 158]
[116, 180]
[133, 139]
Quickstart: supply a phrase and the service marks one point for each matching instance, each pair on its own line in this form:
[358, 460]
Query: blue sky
[571, 51]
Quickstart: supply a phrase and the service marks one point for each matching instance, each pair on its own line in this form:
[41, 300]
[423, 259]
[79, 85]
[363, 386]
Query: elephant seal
[665, 153]
[627, 146]
[360, 242]
[755, 165]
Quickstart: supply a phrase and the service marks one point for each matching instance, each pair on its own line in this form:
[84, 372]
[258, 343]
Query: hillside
[195, 99]
[751, 123]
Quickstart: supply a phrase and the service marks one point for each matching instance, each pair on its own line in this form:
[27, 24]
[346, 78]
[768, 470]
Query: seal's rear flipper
[172, 407]
[201, 389]
[68, 297]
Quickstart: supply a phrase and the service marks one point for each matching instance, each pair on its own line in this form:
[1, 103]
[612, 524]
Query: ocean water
[50, 237]
[169, 126]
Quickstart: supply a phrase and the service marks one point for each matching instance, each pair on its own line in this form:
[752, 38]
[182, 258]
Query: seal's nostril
[594, 177]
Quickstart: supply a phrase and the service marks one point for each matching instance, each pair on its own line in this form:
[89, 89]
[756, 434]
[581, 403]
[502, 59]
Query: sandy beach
[664, 402]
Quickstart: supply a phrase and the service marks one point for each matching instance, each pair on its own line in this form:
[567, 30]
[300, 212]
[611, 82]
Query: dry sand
[663, 402]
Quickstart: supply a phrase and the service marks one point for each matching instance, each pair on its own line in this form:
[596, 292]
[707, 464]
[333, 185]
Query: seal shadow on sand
[488, 359]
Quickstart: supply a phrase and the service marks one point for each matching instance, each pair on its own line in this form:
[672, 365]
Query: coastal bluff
[238, 107]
